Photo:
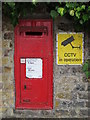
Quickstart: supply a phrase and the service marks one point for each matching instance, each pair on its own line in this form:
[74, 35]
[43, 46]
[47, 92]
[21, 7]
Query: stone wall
[70, 84]
[0, 62]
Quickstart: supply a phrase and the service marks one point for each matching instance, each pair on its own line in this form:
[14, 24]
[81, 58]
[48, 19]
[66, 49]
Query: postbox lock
[25, 87]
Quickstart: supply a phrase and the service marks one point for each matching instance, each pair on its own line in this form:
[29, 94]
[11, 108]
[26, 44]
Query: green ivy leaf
[67, 5]
[77, 14]
[83, 7]
[54, 14]
[85, 66]
[78, 9]
[87, 74]
[61, 11]
[34, 2]
[11, 4]
[71, 5]
[88, 8]
[71, 12]
[81, 22]
[85, 17]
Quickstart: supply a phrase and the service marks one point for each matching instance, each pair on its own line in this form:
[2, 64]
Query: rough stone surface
[83, 112]
[70, 83]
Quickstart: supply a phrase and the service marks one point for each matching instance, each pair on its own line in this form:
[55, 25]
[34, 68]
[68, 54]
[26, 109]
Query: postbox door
[34, 88]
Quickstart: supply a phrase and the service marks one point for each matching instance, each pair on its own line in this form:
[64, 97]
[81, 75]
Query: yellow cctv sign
[69, 48]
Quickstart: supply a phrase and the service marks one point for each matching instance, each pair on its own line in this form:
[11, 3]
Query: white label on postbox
[33, 68]
[22, 60]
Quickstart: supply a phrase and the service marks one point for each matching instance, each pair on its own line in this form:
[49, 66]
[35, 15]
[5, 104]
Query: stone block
[0, 109]
[5, 60]
[1, 85]
[8, 103]
[0, 69]
[89, 112]
[1, 95]
[0, 44]
[66, 104]
[88, 80]
[66, 84]
[73, 113]
[11, 44]
[46, 113]
[3, 109]
[9, 112]
[7, 70]
[0, 61]
[0, 52]
[88, 104]
[80, 87]
[8, 86]
[8, 35]
[7, 95]
[7, 77]
[1, 103]
[56, 104]
[5, 44]
[7, 52]
[62, 112]
[83, 95]
[89, 96]
[0, 77]
[63, 95]
[1, 115]
[88, 86]
[83, 112]
[78, 104]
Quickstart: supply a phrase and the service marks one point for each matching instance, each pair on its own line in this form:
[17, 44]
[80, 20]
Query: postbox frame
[18, 104]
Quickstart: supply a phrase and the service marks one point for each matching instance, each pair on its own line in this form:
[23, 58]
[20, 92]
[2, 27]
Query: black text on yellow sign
[69, 48]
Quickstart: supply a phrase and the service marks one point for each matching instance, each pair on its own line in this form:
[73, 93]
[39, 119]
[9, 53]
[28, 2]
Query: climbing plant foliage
[79, 12]
[86, 68]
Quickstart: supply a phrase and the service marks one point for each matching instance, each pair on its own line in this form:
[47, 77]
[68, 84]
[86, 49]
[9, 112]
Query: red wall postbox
[33, 63]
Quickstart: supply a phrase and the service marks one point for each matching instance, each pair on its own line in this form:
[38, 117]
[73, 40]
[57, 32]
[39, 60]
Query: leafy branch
[79, 12]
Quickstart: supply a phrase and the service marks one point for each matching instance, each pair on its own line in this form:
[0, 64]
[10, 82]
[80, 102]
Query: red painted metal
[34, 93]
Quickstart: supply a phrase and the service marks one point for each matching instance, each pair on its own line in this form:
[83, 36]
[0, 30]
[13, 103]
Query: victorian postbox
[33, 64]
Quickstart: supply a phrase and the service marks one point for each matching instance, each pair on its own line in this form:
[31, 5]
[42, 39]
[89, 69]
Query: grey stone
[73, 70]
[62, 112]
[83, 95]
[11, 45]
[1, 85]
[80, 104]
[88, 104]
[88, 86]
[46, 113]
[83, 112]
[85, 79]
[88, 111]
[89, 96]
[8, 35]
[80, 87]
[63, 104]
[73, 113]
[73, 95]
[0, 69]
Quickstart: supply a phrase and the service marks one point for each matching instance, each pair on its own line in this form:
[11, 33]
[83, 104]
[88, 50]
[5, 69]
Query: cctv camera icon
[68, 41]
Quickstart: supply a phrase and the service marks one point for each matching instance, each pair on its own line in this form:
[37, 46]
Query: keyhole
[25, 87]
